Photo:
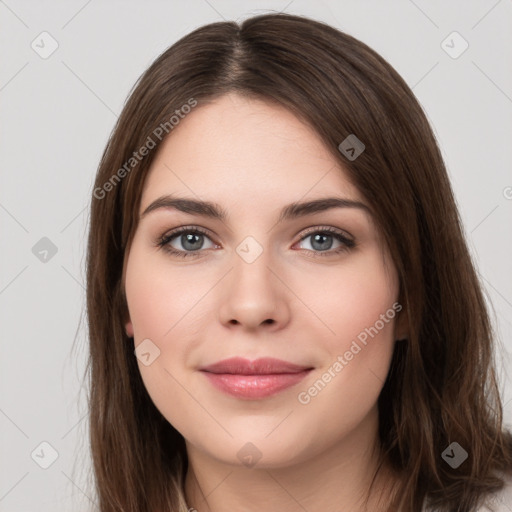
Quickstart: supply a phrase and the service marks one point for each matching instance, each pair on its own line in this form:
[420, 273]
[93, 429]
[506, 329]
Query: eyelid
[326, 229]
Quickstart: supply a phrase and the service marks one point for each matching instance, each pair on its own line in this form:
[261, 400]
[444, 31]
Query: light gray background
[56, 116]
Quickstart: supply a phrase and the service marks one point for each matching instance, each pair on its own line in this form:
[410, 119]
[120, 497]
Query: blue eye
[192, 240]
[322, 239]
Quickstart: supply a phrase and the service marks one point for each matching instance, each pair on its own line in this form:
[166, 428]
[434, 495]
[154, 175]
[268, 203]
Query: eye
[321, 241]
[191, 238]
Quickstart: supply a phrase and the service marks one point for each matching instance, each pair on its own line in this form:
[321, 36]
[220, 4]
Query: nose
[254, 295]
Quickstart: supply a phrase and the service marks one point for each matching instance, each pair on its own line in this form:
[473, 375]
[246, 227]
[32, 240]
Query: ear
[129, 329]
[402, 325]
[128, 326]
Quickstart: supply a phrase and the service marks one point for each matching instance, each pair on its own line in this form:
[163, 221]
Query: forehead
[235, 147]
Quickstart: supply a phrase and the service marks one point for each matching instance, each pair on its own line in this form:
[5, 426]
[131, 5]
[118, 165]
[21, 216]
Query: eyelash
[163, 241]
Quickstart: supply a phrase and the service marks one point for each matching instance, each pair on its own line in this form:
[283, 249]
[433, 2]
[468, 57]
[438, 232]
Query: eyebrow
[215, 211]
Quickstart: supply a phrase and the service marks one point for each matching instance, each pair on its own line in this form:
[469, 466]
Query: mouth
[254, 380]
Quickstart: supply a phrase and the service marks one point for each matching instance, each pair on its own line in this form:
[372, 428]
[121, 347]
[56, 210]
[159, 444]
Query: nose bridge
[250, 249]
[253, 262]
[253, 295]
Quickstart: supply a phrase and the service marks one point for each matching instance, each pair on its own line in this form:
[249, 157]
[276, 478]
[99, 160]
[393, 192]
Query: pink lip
[258, 379]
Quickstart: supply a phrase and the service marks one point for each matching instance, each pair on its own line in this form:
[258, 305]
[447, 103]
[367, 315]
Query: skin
[253, 158]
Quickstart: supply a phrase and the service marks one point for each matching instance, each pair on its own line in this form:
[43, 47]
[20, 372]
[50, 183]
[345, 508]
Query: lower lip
[254, 386]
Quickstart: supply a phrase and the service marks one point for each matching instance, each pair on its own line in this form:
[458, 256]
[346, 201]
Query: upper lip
[262, 366]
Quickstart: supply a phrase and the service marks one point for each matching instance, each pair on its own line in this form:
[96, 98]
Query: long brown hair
[442, 386]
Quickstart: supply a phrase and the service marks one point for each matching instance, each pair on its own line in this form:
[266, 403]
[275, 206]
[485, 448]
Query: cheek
[165, 305]
[160, 304]
[159, 297]
[353, 299]
[361, 305]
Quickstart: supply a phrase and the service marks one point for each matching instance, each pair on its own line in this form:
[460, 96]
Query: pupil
[322, 246]
[189, 240]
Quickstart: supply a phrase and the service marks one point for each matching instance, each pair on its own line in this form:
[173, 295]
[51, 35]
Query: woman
[239, 360]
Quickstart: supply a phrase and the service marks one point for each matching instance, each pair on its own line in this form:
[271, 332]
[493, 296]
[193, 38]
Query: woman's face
[259, 284]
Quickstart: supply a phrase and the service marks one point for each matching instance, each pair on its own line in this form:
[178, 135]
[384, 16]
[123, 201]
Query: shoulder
[502, 500]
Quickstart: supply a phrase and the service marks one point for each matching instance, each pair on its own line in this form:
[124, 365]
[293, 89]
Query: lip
[261, 366]
[257, 379]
